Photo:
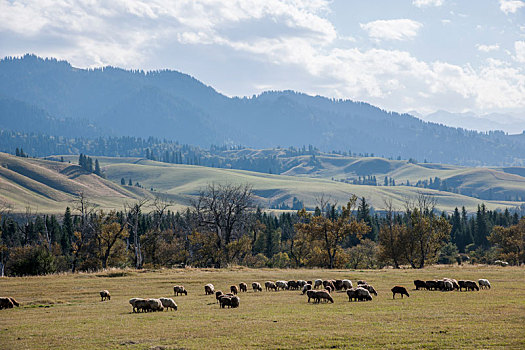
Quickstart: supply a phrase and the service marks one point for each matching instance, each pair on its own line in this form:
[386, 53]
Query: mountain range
[51, 96]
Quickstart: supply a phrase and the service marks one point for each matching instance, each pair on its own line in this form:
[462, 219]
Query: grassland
[49, 186]
[65, 312]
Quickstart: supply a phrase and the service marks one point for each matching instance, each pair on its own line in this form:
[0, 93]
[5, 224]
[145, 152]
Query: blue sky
[414, 55]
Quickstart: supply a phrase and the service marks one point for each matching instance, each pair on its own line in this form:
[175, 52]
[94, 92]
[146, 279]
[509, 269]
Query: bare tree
[81, 236]
[132, 213]
[223, 209]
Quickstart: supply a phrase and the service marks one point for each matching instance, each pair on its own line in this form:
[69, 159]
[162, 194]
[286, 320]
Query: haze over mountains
[53, 97]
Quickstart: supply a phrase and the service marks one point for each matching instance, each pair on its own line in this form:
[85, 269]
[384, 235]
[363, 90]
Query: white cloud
[425, 3]
[487, 48]
[510, 6]
[519, 47]
[395, 29]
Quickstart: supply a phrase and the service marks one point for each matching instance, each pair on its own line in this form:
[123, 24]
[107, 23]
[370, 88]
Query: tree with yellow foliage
[332, 230]
[510, 242]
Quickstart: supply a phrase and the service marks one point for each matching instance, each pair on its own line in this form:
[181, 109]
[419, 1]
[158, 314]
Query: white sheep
[209, 289]
[484, 283]
[154, 305]
[256, 286]
[168, 303]
[282, 284]
[347, 284]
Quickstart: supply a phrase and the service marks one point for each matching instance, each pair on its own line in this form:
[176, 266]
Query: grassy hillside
[185, 181]
[65, 312]
[49, 186]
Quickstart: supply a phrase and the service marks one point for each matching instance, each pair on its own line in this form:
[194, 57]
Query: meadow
[65, 311]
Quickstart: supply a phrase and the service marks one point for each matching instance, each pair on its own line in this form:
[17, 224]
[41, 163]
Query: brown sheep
[235, 301]
[270, 285]
[293, 285]
[179, 290]
[234, 290]
[324, 294]
[243, 287]
[420, 284]
[471, 285]
[312, 294]
[225, 300]
[104, 295]
[338, 284]
[209, 289]
[352, 294]
[399, 290]
[432, 285]
[329, 283]
[6, 303]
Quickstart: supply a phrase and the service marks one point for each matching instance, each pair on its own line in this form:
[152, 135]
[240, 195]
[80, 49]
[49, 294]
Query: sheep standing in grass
[235, 301]
[6, 303]
[282, 285]
[325, 295]
[448, 286]
[352, 294]
[293, 285]
[471, 285]
[484, 283]
[133, 302]
[363, 294]
[454, 283]
[218, 295]
[301, 283]
[168, 303]
[155, 305]
[312, 294]
[338, 284]
[209, 289]
[369, 288]
[179, 290]
[329, 283]
[104, 295]
[243, 287]
[420, 284]
[234, 290]
[256, 286]
[318, 283]
[347, 284]
[306, 288]
[270, 286]
[399, 290]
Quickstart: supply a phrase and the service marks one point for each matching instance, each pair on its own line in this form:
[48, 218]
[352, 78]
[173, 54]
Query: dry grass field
[65, 312]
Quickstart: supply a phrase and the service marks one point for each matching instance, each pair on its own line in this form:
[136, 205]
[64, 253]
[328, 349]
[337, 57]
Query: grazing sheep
[218, 295]
[270, 286]
[104, 295]
[293, 285]
[338, 284]
[432, 285]
[225, 300]
[209, 289]
[235, 301]
[318, 283]
[329, 289]
[484, 283]
[179, 290]
[361, 282]
[471, 285]
[282, 284]
[420, 284]
[399, 290]
[133, 302]
[140, 305]
[256, 287]
[6, 303]
[155, 305]
[353, 294]
[234, 290]
[440, 284]
[325, 295]
[369, 288]
[15, 303]
[454, 283]
[312, 294]
[306, 288]
[168, 303]
[243, 287]
[329, 283]
[267, 284]
[448, 286]
[301, 283]
[347, 284]
[363, 294]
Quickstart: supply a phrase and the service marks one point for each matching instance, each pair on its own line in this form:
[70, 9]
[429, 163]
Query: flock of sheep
[318, 290]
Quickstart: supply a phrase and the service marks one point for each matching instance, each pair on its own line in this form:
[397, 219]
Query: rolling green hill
[48, 186]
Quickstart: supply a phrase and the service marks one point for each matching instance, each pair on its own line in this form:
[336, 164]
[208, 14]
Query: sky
[420, 56]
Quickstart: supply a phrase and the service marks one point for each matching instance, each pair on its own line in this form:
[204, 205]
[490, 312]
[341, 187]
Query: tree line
[223, 227]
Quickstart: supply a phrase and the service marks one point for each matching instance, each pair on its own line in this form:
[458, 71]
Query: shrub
[30, 260]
